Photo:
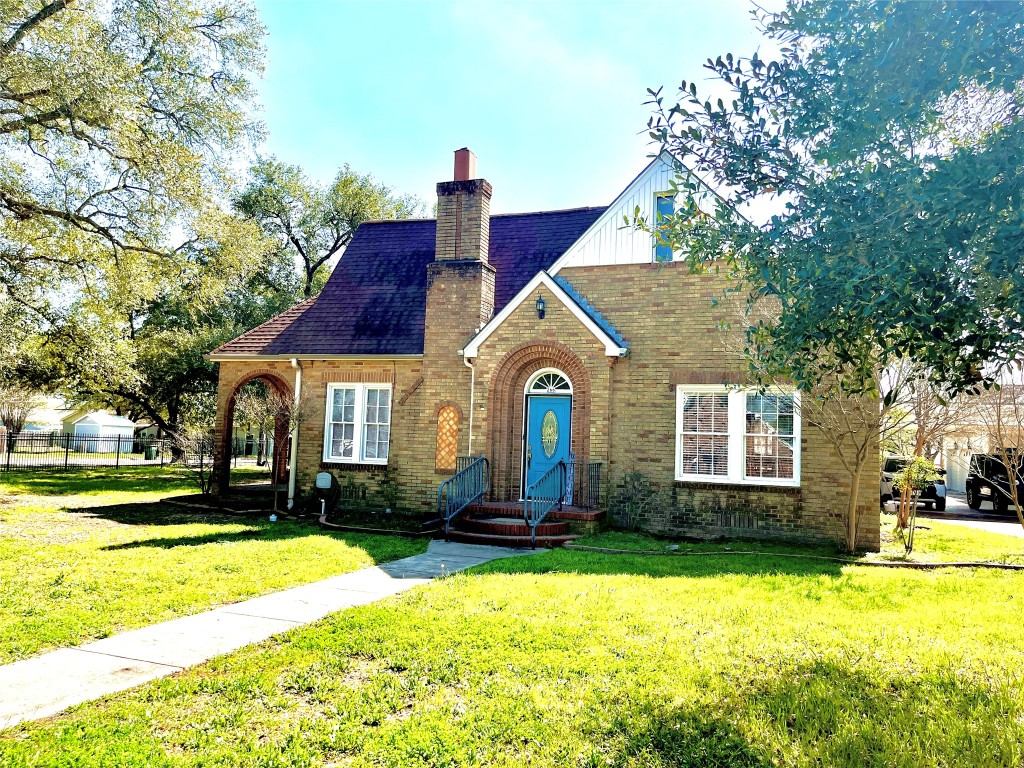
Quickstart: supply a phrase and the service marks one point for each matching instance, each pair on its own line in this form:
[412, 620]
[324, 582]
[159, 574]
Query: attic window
[664, 207]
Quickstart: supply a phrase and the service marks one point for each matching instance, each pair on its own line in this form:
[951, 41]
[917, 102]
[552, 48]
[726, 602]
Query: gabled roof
[560, 288]
[375, 301]
[105, 419]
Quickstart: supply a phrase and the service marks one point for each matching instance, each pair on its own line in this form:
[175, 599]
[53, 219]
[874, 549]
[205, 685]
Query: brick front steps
[501, 524]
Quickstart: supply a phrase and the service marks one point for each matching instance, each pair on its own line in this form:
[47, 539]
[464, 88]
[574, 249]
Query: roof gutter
[472, 392]
[293, 465]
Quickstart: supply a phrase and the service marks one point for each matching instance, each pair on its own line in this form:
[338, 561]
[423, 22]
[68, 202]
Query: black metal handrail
[543, 496]
[466, 486]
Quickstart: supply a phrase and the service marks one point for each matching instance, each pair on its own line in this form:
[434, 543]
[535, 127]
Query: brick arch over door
[223, 433]
[507, 405]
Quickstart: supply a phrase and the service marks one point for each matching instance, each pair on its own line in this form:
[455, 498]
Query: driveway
[958, 513]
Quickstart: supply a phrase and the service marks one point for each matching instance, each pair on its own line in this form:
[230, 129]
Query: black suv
[988, 480]
[932, 496]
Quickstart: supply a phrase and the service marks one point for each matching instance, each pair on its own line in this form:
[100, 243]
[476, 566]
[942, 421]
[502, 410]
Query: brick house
[557, 338]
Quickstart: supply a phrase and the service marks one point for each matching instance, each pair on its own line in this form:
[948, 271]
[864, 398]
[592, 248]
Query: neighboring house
[538, 337]
[100, 432]
[956, 450]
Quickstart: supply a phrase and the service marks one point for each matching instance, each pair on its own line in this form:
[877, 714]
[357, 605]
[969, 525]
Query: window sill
[352, 465]
[788, 487]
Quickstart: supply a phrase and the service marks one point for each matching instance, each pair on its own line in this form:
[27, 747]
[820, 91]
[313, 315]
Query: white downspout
[294, 463]
[472, 392]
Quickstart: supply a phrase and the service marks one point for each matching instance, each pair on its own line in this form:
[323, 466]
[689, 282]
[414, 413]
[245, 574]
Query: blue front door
[547, 434]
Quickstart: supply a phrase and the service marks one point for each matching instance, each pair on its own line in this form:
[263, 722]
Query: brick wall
[623, 410]
[676, 336]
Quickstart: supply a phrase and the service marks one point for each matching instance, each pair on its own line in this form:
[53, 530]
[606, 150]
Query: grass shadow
[695, 565]
[685, 738]
[380, 548]
[155, 513]
[200, 540]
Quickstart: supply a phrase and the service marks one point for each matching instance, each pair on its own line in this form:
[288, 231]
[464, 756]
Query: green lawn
[88, 553]
[934, 542]
[579, 659]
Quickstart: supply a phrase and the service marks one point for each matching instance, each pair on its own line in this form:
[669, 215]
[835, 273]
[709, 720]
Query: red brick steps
[501, 524]
[510, 526]
[509, 541]
[515, 509]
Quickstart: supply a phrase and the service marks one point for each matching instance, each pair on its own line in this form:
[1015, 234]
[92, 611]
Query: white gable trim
[542, 278]
[613, 211]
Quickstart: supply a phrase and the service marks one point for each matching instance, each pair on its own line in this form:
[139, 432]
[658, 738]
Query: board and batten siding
[612, 240]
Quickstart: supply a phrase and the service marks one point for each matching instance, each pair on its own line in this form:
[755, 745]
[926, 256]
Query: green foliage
[119, 121]
[576, 659]
[387, 489]
[634, 499]
[869, 186]
[313, 223]
[917, 475]
[88, 553]
[116, 118]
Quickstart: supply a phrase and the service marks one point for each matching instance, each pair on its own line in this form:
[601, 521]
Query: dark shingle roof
[375, 302]
[582, 303]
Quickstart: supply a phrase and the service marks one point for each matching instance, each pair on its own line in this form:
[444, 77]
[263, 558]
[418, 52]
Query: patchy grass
[578, 659]
[90, 553]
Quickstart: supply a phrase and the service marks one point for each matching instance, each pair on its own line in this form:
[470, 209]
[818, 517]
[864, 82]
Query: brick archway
[507, 405]
[225, 428]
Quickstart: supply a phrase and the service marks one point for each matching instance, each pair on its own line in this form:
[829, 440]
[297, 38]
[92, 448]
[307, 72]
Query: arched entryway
[547, 424]
[549, 377]
[258, 439]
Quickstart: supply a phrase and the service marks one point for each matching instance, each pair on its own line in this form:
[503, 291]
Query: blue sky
[549, 95]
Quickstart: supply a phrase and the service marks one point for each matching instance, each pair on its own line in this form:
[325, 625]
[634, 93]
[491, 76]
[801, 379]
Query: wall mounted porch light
[540, 306]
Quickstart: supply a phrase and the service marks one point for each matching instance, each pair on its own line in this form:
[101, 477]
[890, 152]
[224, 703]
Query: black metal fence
[583, 484]
[58, 451]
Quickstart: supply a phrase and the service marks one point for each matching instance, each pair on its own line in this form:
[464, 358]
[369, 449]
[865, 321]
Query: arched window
[447, 438]
[549, 382]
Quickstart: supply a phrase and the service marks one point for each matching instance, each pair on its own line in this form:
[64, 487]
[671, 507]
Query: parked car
[932, 496]
[988, 480]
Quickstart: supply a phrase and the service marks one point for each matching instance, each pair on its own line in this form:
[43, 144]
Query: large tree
[869, 179]
[145, 357]
[115, 119]
[313, 222]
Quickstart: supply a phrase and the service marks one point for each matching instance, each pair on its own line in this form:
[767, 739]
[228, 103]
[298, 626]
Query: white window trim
[360, 422]
[737, 438]
[533, 380]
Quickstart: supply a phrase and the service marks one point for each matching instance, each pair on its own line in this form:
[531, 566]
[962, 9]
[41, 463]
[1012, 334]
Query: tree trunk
[853, 519]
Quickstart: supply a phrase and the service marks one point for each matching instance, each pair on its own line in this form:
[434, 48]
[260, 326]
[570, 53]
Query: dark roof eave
[253, 356]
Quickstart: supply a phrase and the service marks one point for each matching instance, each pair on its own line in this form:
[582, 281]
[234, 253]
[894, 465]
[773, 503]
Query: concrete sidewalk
[46, 684]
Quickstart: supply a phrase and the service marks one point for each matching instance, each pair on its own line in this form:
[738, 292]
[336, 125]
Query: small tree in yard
[1001, 410]
[917, 475]
[16, 405]
[265, 407]
[193, 448]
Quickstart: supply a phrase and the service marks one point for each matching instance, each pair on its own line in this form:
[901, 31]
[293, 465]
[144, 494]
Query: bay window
[358, 423]
[728, 435]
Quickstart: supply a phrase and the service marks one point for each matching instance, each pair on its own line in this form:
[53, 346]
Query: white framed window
[726, 435]
[357, 429]
[664, 208]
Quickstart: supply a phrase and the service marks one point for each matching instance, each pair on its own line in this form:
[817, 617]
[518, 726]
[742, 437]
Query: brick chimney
[460, 281]
[463, 213]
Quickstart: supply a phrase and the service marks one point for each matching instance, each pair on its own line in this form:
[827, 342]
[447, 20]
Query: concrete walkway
[47, 684]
